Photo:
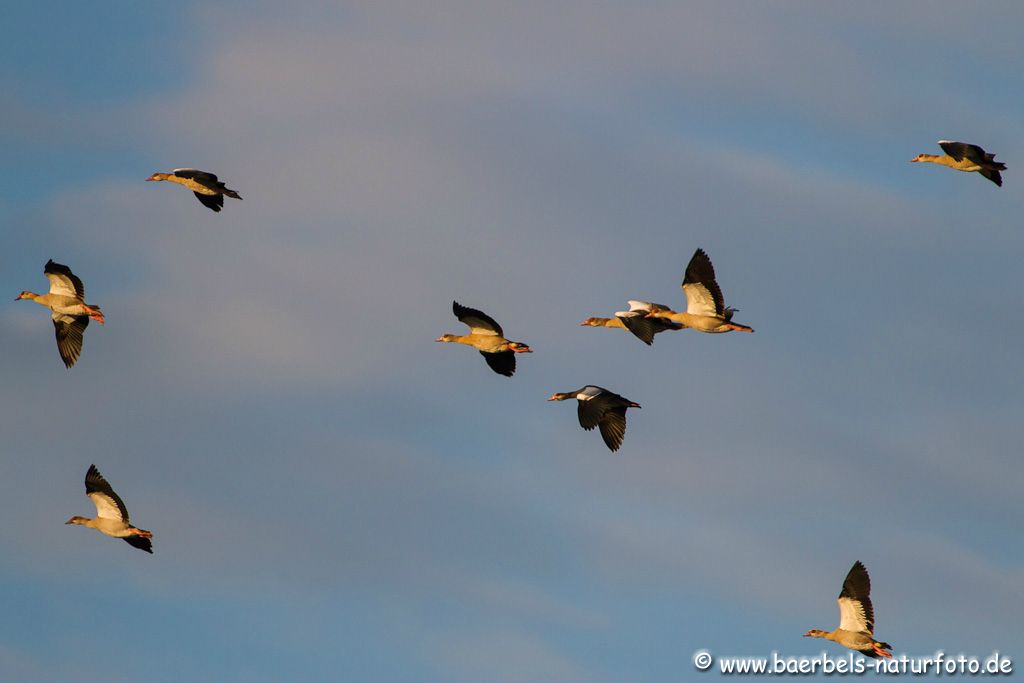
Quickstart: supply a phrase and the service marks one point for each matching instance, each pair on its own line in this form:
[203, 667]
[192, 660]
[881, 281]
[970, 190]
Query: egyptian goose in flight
[208, 190]
[485, 336]
[705, 306]
[966, 157]
[70, 313]
[111, 514]
[603, 409]
[636, 321]
[856, 617]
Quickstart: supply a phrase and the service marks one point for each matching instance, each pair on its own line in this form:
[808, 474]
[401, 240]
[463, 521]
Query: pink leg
[95, 314]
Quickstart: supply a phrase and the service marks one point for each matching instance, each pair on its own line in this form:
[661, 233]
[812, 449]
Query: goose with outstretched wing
[68, 310]
[637, 321]
[966, 157]
[600, 408]
[856, 617]
[705, 306]
[208, 190]
[111, 513]
[486, 336]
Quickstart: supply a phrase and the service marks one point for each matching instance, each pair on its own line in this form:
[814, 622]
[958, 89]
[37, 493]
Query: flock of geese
[597, 407]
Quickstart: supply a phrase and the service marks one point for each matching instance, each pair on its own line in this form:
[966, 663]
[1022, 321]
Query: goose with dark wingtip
[111, 513]
[705, 306]
[208, 190]
[966, 157]
[70, 313]
[636, 321]
[486, 336]
[856, 617]
[601, 408]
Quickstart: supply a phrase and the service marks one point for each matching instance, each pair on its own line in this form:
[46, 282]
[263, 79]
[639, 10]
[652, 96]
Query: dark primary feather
[700, 271]
[474, 318]
[645, 328]
[140, 543]
[69, 330]
[613, 427]
[502, 362]
[95, 483]
[59, 269]
[211, 201]
[992, 175]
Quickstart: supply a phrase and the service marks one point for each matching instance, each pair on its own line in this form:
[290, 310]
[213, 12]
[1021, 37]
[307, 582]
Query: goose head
[561, 396]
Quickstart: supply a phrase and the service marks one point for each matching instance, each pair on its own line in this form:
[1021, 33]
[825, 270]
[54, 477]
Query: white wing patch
[851, 616]
[699, 300]
[106, 508]
[588, 392]
[61, 284]
[477, 326]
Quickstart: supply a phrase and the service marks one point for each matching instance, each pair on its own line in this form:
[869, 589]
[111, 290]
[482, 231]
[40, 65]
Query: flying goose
[208, 190]
[705, 306]
[485, 335]
[603, 409]
[966, 157]
[70, 313]
[856, 617]
[636, 321]
[111, 514]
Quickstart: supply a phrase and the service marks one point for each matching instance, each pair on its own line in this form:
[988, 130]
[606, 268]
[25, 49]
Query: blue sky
[336, 497]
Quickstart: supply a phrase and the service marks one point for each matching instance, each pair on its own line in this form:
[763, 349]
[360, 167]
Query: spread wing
[592, 406]
[855, 611]
[703, 295]
[613, 427]
[196, 175]
[108, 504]
[645, 328]
[211, 201]
[502, 362]
[963, 150]
[63, 281]
[70, 330]
[477, 321]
